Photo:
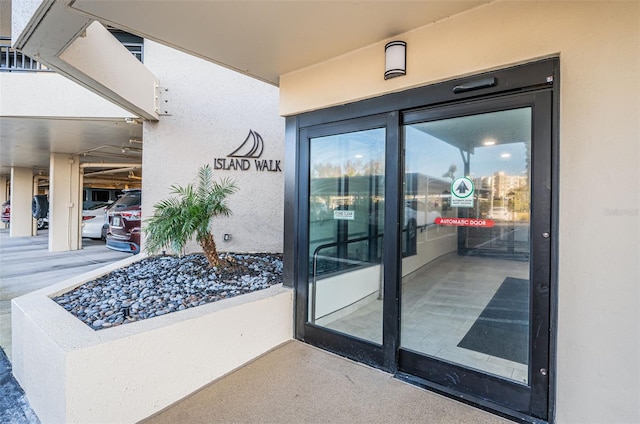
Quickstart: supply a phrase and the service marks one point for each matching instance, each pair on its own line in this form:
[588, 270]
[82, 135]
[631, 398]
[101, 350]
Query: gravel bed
[163, 284]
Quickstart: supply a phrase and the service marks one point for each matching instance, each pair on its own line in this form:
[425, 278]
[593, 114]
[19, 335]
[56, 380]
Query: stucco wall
[212, 111]
[598, 370]
[73, 374]
[49, 88]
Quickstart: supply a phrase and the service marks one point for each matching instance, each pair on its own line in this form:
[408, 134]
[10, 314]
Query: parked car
[500, 214]
[98, 196]
[124, 218]
[43, 222]
[93, 222]
[40, 210]
[6, 212]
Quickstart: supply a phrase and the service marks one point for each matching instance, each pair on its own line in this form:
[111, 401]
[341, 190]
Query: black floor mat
[502, 329]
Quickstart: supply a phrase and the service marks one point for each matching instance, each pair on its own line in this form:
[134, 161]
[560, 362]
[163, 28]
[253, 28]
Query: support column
[64, 203]
[21, 197]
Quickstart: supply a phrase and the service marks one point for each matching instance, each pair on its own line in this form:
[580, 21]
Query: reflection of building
[501, 184]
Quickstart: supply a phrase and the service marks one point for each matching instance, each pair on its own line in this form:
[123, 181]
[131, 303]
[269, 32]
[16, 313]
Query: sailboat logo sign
[249, 153]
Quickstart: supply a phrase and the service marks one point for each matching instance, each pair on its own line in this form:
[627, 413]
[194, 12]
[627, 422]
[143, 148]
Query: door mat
[502, 329]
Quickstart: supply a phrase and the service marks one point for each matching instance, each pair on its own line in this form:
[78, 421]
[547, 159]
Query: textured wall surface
[73, 374]
[212, 112]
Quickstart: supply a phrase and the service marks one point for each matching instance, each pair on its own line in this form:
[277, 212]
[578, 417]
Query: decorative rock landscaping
[163, 284]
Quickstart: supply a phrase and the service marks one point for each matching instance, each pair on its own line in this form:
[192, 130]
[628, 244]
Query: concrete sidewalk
[297, 383]
[27, 265]
[294, 383]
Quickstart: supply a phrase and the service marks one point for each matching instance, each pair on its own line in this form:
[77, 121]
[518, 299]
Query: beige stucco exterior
[21, 221]
[73, 374]
[598, 43]
[211, 111]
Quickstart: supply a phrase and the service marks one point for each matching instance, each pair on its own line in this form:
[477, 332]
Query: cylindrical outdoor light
[396, 59]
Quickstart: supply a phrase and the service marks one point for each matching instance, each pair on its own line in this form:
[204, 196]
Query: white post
[21, 198]
[65, 205]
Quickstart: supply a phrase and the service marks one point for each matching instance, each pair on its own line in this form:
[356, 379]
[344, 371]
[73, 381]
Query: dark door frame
[535, 78]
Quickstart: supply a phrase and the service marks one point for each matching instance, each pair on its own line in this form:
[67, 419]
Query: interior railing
[347, 261]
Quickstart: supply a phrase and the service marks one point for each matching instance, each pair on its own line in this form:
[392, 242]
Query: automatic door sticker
[462, 190]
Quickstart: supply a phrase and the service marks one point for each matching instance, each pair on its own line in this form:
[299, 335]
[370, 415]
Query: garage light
[396, 59]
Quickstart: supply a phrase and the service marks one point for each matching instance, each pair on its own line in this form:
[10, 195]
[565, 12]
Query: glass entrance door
[425, 240]
[344, 299]
[465, 272]
[346, 222]
[475, 264]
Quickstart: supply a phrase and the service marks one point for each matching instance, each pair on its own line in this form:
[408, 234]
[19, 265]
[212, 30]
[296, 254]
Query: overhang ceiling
[28, 142]
[266, 39]
[263, 39]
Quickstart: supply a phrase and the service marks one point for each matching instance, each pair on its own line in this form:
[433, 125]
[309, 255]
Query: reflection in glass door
[418, 248]
[465, 267]
[346, 221]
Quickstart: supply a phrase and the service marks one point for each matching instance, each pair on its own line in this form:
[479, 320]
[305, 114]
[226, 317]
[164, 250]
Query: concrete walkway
[297, 383]
[294, 383]
[27, 265]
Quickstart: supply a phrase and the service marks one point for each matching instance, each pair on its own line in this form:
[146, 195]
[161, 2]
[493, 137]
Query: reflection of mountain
[252, 147]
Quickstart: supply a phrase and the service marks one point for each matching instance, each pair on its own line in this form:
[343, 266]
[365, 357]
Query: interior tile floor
[440, 303]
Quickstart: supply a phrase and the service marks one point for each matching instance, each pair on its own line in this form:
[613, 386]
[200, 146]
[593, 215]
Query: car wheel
[40, 206]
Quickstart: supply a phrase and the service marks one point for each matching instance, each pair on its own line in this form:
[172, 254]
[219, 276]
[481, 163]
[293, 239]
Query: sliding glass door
[425, 244]
[465, 290]
[346, 244]
[346, 222]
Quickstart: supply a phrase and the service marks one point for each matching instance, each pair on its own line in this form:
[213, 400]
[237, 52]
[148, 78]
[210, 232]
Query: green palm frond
[188, 214]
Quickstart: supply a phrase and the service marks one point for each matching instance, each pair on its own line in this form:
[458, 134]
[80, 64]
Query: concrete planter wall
[73, 374]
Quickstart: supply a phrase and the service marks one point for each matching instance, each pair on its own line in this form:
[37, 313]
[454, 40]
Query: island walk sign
[462, 190]
[248, 156]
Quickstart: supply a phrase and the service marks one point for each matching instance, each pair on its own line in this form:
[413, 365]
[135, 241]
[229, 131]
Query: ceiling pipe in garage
[110, 171]
[110, 165]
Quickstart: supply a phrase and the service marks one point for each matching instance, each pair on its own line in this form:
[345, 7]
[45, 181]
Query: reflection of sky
[361, 146]
[431, 156]
[424, 153]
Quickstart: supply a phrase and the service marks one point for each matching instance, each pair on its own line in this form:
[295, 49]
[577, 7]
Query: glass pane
[346, 219]
[465, 266]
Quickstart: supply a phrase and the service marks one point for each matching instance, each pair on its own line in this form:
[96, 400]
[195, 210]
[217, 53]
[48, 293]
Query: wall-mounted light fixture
[395, 59]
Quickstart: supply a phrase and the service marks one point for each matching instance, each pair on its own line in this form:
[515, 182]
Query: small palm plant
[179, 219]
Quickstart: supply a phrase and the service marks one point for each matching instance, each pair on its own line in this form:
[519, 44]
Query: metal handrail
[14, 60]
[315, 266]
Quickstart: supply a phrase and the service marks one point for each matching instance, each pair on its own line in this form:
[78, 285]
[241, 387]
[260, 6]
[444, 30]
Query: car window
[100, 206]
[129, 199]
